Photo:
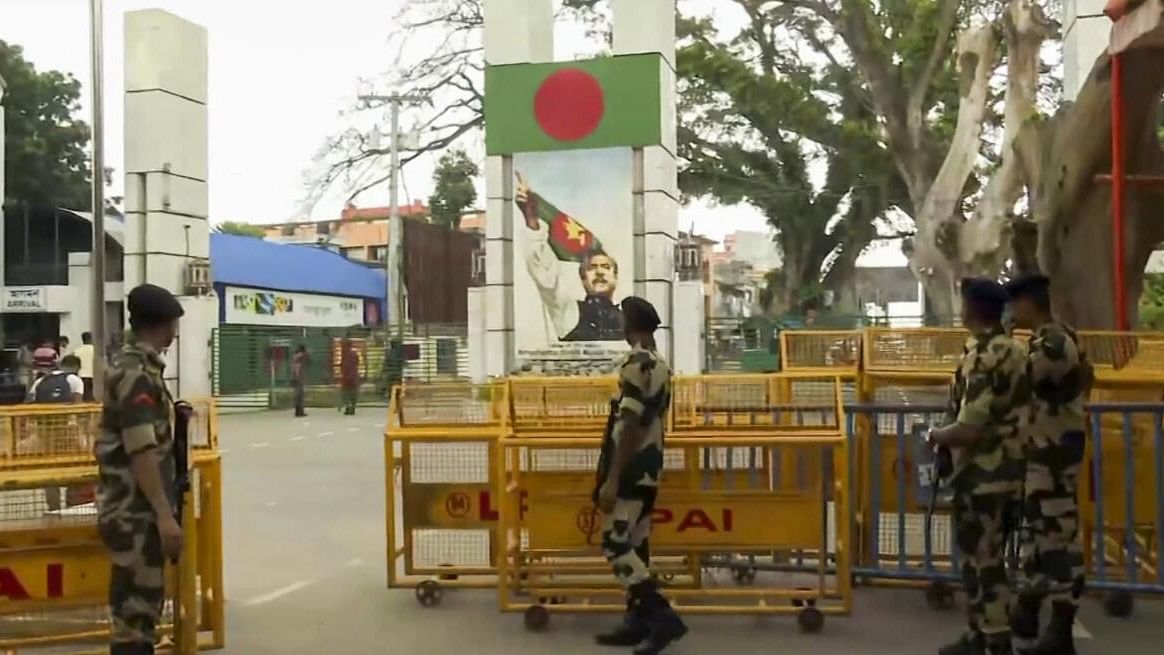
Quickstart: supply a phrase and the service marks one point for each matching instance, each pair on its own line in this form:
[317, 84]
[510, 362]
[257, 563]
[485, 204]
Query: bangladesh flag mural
[596, 103]
[573, 253]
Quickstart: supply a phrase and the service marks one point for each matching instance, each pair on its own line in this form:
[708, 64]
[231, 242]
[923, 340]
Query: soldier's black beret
[640, 314]
[984, 291]
[149, 303]
[1028, 285]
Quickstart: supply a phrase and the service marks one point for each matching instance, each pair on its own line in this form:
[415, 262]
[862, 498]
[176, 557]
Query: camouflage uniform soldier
[987, 443]
[136, 462]
[1052, 555]
[629, 475]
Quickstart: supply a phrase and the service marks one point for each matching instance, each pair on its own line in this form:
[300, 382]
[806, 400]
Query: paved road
[304, 530]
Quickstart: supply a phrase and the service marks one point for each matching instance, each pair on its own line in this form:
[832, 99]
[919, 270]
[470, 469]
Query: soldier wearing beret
[135, 458]
[990, 398]
[629, 472]
[1052, 556]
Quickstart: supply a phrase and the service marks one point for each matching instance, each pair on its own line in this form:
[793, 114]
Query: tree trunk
[1073, 210]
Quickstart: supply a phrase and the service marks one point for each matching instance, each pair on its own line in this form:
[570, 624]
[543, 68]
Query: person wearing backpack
[59, 385]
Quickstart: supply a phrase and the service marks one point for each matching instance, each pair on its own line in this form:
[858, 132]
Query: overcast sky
[279, 74]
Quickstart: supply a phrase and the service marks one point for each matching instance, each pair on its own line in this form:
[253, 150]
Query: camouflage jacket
[137, 415]
[992, 392]
[1061, 378]
[644, 384]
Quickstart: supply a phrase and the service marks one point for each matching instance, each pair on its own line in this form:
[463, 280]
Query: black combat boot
[1024, 624]
[1058, 639]
[970, 643]
[666, 626]
[633, 629]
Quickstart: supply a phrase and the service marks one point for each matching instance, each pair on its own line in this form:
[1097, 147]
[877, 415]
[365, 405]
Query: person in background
[44, 359]
[24, 363]
[84, 354]
[349, 376]
[58, 385]
[62, 346]
[299, 363]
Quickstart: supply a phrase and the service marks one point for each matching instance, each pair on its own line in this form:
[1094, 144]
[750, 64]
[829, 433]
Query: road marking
[272, 504]
[223, 451]
[299, 438]
[353, 429]
[326, 434]
[260, 444]
[378, 425]
[278, 593]
[1080, 632]
[354, 562]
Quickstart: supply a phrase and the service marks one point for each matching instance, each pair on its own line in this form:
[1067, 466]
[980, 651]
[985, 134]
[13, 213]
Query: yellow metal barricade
[441, 512]
[751, 476]
[54, 570]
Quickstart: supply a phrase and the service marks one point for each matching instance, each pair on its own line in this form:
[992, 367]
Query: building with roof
[259, 282]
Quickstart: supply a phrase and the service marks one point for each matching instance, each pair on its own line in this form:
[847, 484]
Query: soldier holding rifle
[136, 457]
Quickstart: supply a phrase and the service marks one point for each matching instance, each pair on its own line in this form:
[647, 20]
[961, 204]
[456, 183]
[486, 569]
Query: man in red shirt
[349, 376]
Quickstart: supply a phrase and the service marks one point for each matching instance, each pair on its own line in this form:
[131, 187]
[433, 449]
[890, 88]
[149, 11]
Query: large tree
[453, 189]
[757, 116]
[46, 163]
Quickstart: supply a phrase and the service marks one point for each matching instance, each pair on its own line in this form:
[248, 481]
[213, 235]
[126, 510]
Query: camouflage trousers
[981, 527]
[1052, 555]
[137, 583]
[627, 529]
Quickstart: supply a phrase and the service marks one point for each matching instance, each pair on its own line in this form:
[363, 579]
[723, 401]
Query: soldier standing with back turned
[986, 440]
[1052, 556]
[135, 457]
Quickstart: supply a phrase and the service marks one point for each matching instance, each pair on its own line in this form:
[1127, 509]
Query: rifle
[604, 460]
[182, 413]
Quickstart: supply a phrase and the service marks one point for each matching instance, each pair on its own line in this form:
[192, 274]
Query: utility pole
[393, 271]
[97, 257]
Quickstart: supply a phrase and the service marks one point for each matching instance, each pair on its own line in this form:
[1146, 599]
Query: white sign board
[25, 299]
[243, 306]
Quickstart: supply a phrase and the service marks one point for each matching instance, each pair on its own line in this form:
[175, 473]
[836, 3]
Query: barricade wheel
[536, 618]
[1118, 604]
[744, 575]
[429, 593]
[810, 620]
[939, 596]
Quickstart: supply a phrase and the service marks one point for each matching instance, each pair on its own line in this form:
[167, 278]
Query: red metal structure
[1130, 30]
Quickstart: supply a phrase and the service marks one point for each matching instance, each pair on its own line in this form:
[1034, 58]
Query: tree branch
[947, 18]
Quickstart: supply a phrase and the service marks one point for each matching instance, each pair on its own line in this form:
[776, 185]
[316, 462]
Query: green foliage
[1152, 302]
[240, 229]
[453, 190]
[756, 119]
[45, 156]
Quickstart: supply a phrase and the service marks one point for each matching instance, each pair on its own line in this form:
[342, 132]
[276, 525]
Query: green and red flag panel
[596, 103]
[569, 239]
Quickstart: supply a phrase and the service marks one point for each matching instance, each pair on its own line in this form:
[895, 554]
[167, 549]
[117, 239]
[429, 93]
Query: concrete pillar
[689, 339]
[166, 173]
[516, 32]
[478, 365]
[1086, 32]
[648, 26]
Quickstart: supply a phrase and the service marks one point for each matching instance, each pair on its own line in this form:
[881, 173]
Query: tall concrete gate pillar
[167, 237]
[582, 200]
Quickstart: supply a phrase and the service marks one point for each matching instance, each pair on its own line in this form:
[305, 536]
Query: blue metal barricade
[1121, 498]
